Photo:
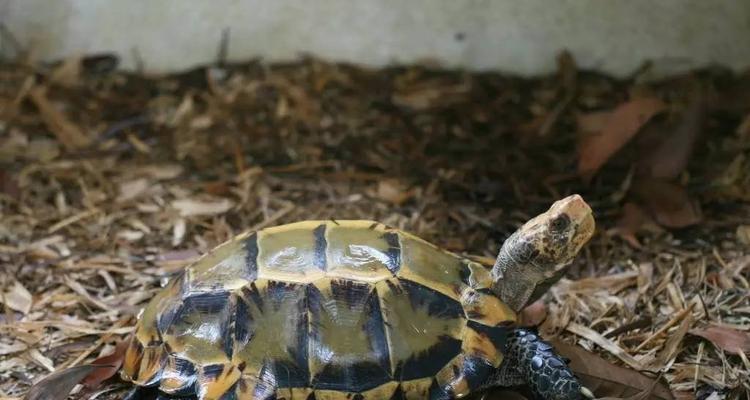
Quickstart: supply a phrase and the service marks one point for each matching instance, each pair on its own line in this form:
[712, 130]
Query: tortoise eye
[560, 223]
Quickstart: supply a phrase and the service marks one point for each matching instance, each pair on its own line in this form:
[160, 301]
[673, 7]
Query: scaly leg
[531, 361]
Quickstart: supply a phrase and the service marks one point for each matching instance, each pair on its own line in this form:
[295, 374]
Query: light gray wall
[522, 36]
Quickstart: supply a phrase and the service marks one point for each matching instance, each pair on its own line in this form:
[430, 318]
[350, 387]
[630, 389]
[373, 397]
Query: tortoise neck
[516, 277]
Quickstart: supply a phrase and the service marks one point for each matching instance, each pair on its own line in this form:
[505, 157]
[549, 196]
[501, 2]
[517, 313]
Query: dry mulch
[110, 182]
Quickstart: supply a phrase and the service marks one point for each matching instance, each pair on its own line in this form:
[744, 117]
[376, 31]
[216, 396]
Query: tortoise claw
[587, 393]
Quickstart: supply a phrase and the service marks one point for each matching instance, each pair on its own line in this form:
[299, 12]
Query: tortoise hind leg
[531, 361]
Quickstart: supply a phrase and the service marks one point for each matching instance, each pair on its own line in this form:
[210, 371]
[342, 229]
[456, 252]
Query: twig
[604, 343]
[677, 318]
[273, 218]
[72, 219]
[120, 323]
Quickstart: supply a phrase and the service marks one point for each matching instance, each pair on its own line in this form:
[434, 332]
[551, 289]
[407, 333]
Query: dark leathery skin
[534, 361]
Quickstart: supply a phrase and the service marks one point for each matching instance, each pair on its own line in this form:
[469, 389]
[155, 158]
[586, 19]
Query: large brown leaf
[669, 203]
[608, 380]
[725, 338]
[630, 222]
[670, 157]
[57, 386]
[620, 126]
[109, 364]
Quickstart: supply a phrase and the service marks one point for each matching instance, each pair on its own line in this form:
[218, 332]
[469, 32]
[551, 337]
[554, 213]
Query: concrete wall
[522, 36]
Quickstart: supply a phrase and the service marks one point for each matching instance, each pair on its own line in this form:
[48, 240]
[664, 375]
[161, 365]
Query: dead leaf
[639, 323]
[58, 385]
[621, 125]
[669, 203]
[613, 283]
[645, 277]
[632, 219]
[81, 291]
[132, 189]
[44, 150]
[643, 395]
[607, 379]
[178, 231]
[673, 344]
[161, 172]
[670, 157]
[41, 359]
[734, 181]
[68, 133]
[393, 191]
[68, 72]
[9, 185]
[12, 146]
[593, 122]
[18, 298]
[608, 345]
[14, 347]
[130, 235]
[110, 364]
[190, 207]
[727, 339]
[217, 188]
[179, 255]
[431, 96]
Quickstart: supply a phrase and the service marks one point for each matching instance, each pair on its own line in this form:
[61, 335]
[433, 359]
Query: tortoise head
[537, 254]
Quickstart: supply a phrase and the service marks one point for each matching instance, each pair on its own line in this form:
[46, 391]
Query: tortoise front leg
[531, 361]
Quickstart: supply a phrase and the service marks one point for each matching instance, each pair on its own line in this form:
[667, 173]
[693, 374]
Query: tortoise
[354, 309]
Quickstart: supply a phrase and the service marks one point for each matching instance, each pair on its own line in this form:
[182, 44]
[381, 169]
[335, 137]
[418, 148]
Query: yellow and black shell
[322, 310]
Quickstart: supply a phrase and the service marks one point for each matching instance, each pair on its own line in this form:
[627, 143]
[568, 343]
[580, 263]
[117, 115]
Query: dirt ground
[111, 182]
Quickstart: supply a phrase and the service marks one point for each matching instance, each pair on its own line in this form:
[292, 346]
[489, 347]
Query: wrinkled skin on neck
[538, 254]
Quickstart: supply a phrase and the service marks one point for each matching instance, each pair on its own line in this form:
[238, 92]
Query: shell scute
[199, 329]
[356, 252]
[291, 253]
[229, 267]
[132, 360]
[423, 263]
[464, 374]
[217, 381]
[423, 328]
[271, 331]
[152, 364]
[346, 322]
[178, 377]
[486, 308]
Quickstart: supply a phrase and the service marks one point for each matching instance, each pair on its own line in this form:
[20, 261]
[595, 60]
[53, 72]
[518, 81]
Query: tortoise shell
[322, 310]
